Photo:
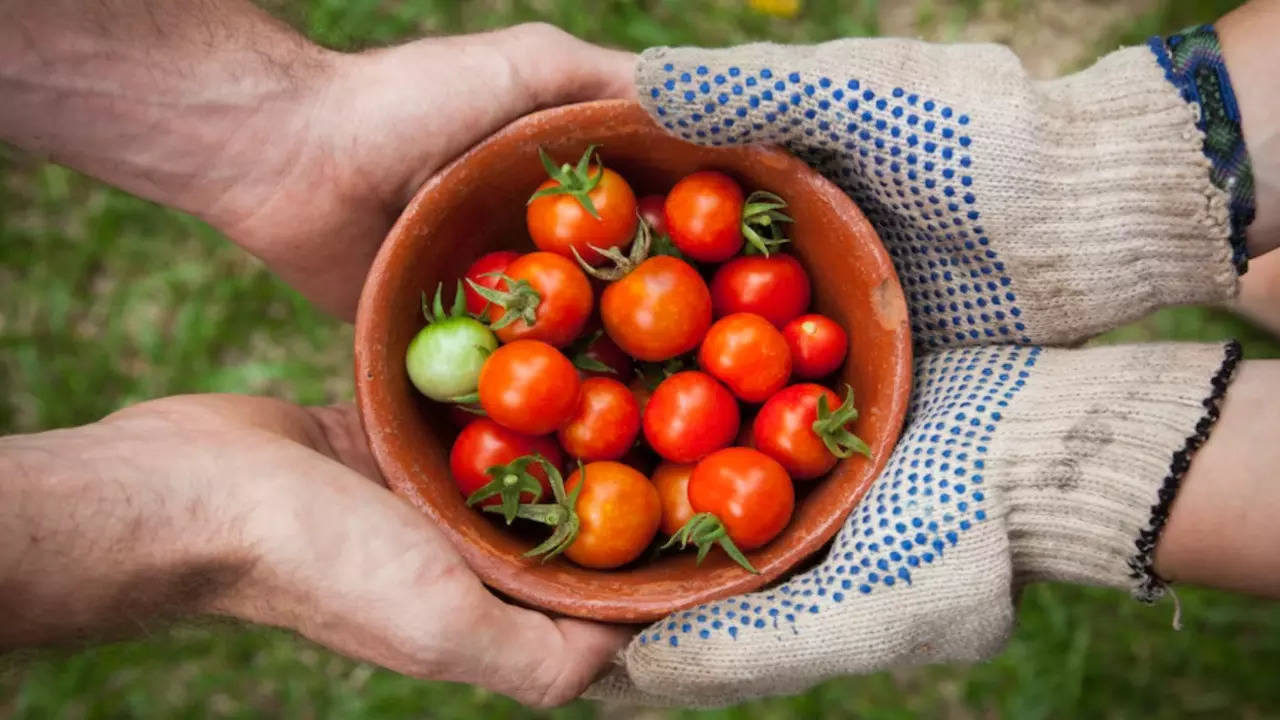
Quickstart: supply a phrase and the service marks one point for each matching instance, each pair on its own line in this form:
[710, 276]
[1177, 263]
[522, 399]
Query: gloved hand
[1019, 464]
[1015, 211]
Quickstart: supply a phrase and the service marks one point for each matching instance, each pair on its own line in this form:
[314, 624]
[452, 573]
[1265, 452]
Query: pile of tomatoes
[639, 328]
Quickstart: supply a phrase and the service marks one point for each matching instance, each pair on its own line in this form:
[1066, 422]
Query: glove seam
[1149, 585]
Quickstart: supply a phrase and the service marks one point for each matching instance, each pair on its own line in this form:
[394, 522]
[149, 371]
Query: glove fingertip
[698, 94]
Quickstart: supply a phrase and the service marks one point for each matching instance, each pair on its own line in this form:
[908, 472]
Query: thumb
[540, 661]
[747, 94]
[553, 67]
[478, 83]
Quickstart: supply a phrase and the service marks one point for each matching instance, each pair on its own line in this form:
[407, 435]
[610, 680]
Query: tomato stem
[622, 264]
[562, 515]
[519, 301]
[435, 311]
[762, 216]
[509, 482]
[704, 530]
[832, 428]
[576, 182]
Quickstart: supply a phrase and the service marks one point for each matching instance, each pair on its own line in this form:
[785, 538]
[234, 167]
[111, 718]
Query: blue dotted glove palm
[1018, 464]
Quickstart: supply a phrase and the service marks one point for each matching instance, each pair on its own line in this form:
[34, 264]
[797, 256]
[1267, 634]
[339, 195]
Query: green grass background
[106, 300]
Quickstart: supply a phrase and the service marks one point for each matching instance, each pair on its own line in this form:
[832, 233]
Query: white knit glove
[1015, 211]
[1018, 464]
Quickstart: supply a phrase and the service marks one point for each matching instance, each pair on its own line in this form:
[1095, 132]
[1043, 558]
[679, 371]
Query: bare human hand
[301, 155]
[384, 123]
[272, 513]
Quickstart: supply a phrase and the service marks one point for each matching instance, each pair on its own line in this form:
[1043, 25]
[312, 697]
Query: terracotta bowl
[476, 205]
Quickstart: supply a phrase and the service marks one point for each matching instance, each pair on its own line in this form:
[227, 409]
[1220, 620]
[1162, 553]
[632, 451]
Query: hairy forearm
[91, 543]
[1222, 530]
[1249, 45]
[184, 103]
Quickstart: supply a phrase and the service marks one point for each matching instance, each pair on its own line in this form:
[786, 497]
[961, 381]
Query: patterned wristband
[1192, 61]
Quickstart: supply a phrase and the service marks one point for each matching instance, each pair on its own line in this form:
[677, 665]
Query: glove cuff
[1093, 454]
[1192, 60]
[1111, 210]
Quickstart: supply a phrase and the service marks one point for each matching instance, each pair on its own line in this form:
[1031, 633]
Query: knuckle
[532, 35]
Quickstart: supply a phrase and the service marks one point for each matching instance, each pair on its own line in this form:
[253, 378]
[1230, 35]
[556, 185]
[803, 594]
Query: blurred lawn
[106, 300]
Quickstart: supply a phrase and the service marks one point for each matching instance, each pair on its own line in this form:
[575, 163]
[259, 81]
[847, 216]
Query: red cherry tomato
[618, 510]
[483, 444]
[784, 430]
[605, 425]
[529, 386]
[818, 345]
[704, 216]
[658, 310]
[747, 353]
[748, 491]
[672, 481]
[561, 224]
[651, 211]
[690, 415]
[774, 287]
[482, 272]
[563, 299]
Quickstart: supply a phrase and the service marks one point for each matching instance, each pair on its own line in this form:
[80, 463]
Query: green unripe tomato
[445, 357]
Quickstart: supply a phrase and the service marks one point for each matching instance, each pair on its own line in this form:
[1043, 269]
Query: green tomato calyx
[832, 427]
[705, 530]
[762, 221]
[577, 182]
[509, 482]
[561, 515]
[519, 301]
[622, 264]
[435, 311]
[582, 360]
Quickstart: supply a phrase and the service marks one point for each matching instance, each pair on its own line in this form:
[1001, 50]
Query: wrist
[264, 148]
[179, 106]
[95, 533]
[1251, 55]
[307, 191]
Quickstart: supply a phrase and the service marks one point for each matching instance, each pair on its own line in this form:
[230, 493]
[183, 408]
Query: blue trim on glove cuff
[1193, 62]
